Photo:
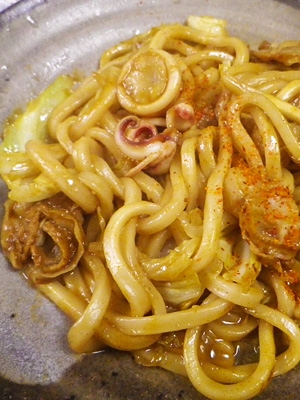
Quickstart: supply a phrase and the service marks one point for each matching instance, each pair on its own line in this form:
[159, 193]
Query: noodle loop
[158, 204]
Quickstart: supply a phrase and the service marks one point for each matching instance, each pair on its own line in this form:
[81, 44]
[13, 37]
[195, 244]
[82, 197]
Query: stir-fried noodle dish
[156, 203]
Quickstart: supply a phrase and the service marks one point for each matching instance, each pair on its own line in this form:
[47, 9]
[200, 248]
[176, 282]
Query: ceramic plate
[39, 40]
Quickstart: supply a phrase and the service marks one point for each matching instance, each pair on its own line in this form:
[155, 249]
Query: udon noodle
[158, 204]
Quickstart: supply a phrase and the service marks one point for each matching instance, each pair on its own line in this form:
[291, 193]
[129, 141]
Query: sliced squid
[149, 82]
[43, 239]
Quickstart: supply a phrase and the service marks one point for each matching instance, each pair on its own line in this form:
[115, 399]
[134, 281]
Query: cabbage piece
[242, 265]
[208, 25]
[287, 53]
[18, 171]
[32, 123]
[181, 294]
[173, 266]
[270, 222]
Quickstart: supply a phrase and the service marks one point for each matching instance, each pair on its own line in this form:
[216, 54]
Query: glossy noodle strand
[158, 204]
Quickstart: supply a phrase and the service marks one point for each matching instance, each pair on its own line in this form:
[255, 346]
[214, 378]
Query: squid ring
[149, 82]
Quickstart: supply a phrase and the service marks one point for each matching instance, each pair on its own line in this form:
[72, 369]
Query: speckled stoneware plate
[40, 39]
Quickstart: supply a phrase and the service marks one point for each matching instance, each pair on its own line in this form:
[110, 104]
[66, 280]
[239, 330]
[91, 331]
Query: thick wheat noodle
[168, 271]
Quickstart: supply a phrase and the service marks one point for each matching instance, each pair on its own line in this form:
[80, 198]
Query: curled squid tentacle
[181, 116]
[141, 141]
